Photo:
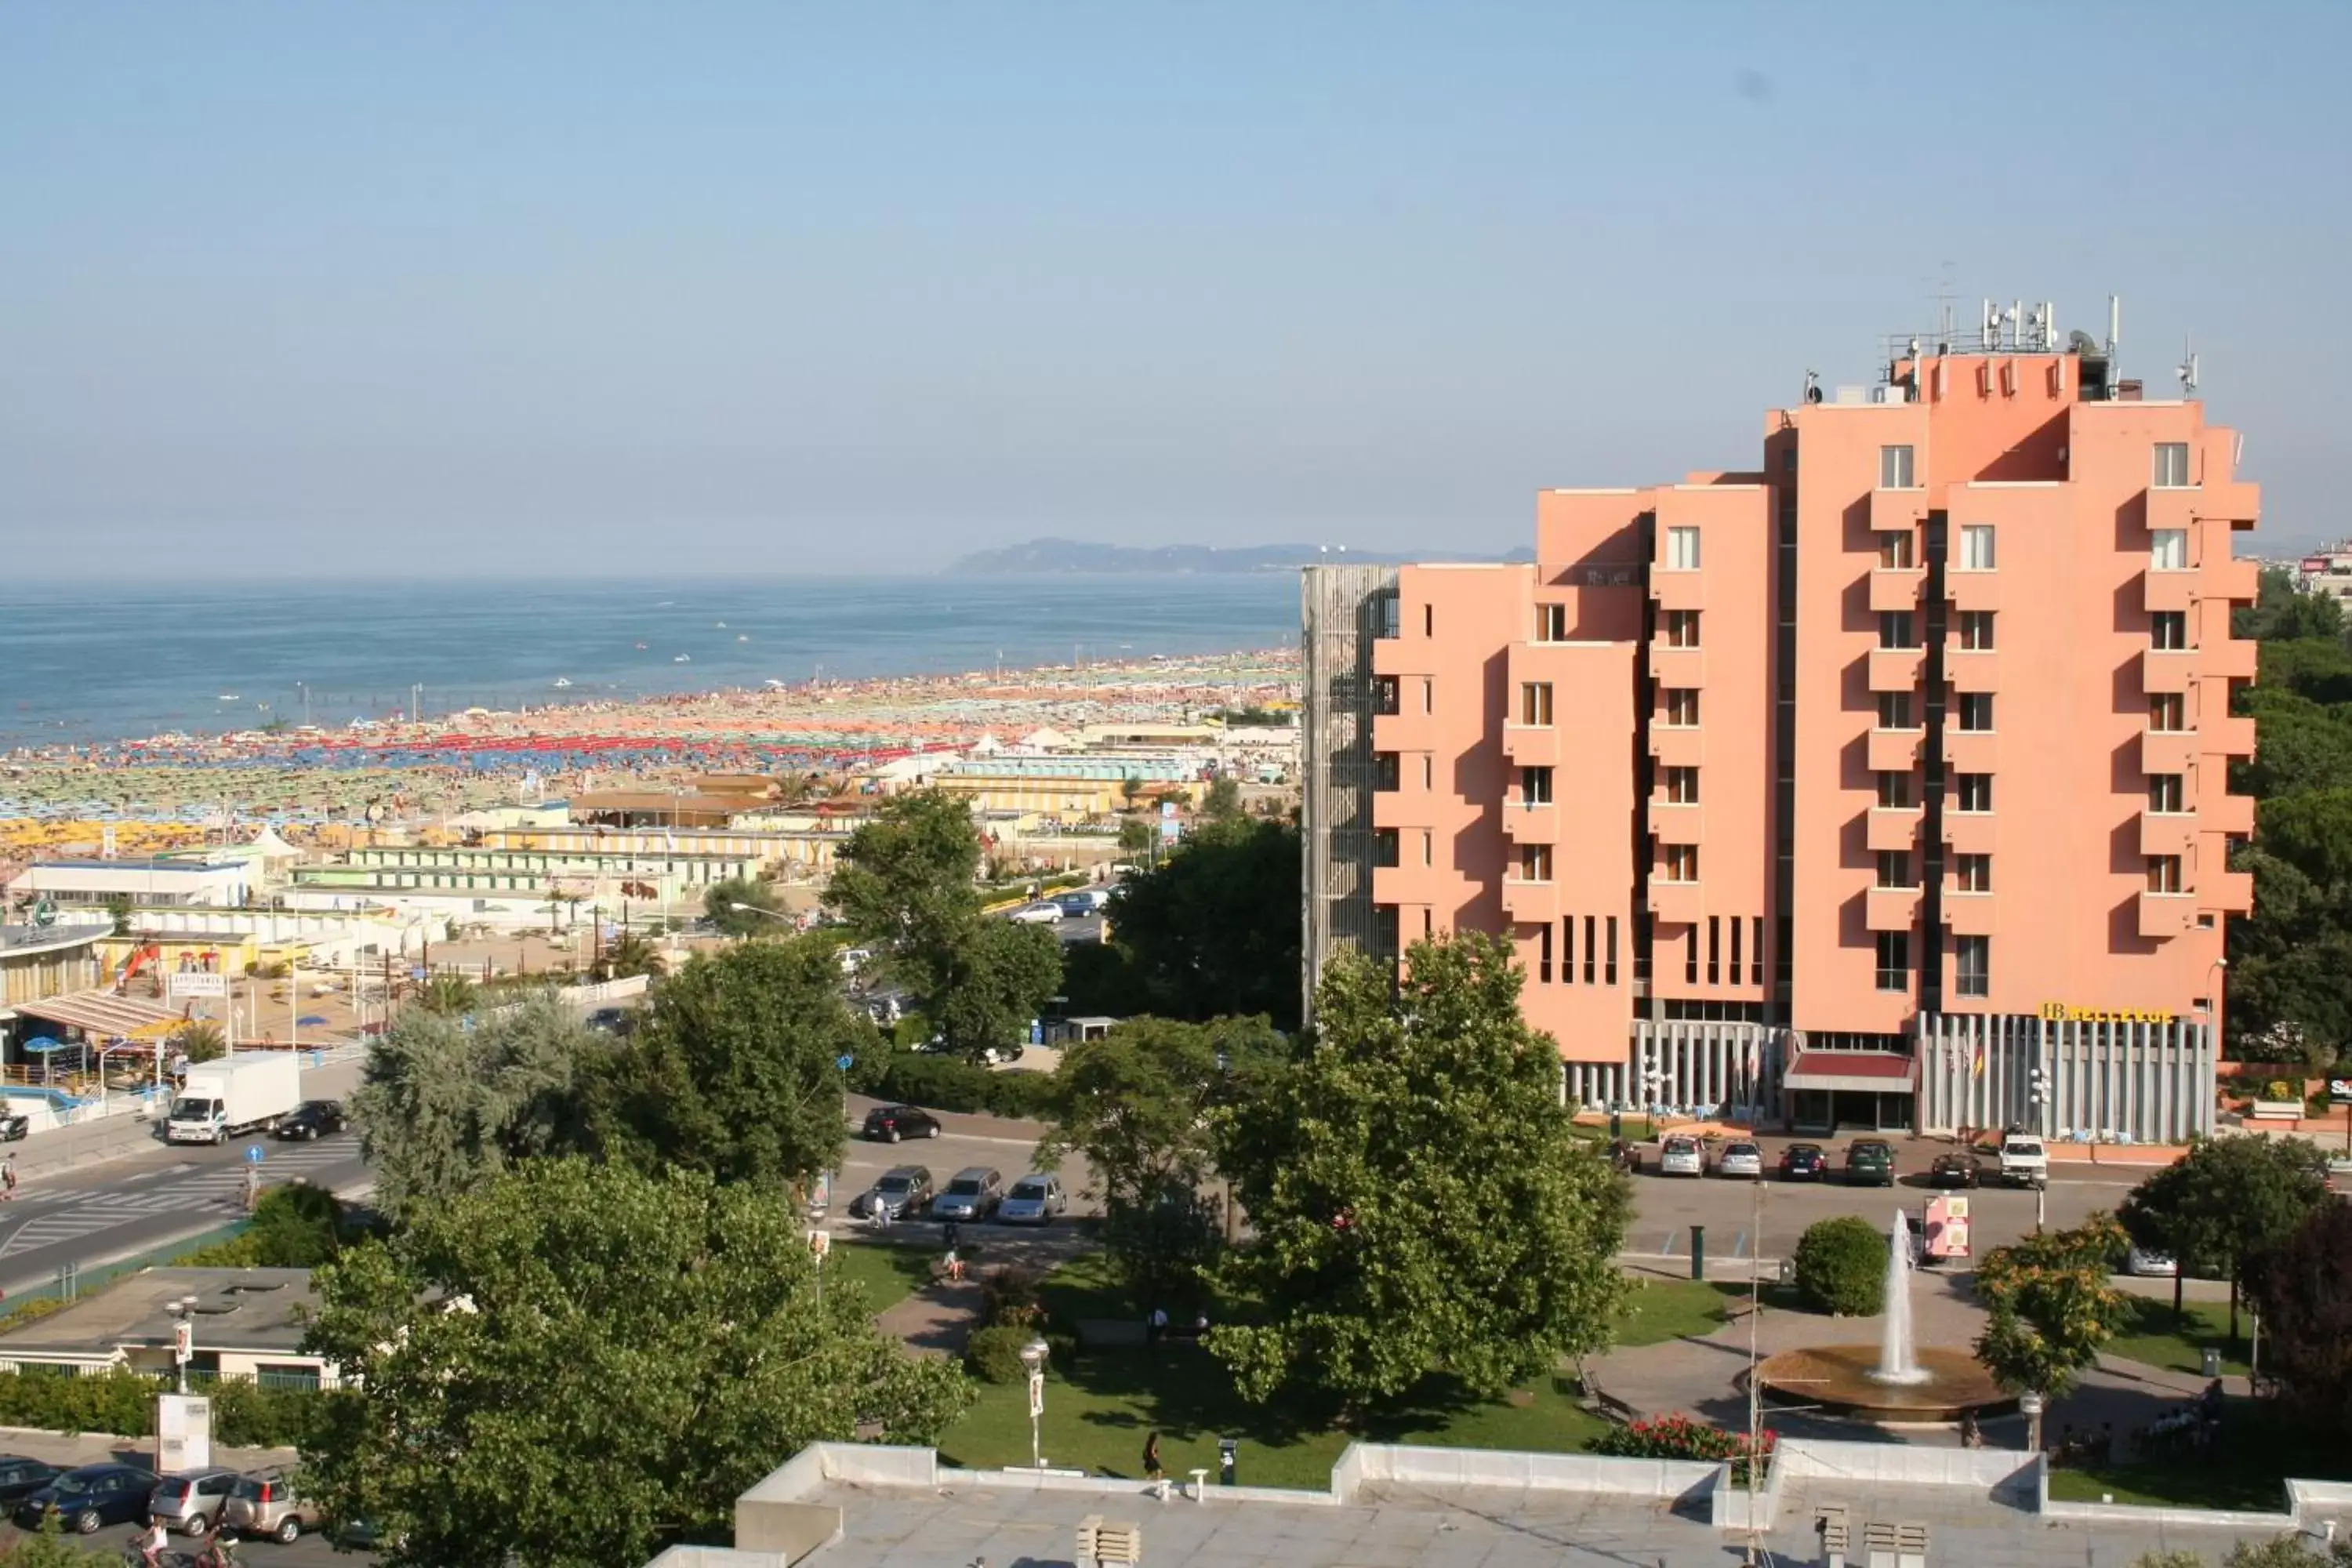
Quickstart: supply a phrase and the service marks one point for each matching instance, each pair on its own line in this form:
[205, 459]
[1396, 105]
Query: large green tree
[582, 1364]
[2226, 1200]
[2301, 1286]
[1419, 1198]
[743, 906]
[2050, 1305]
[445, 1103]
[1212, 930]
[731, 1070]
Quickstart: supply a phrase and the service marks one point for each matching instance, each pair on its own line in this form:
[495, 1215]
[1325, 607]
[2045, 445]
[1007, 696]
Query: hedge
[123, 1405]
[951, 1083]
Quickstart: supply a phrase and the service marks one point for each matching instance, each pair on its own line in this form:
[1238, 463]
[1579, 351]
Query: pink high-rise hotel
[1883, 783]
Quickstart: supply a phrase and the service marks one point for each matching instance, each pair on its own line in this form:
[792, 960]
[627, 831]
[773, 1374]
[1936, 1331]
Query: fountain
[1893, 1382]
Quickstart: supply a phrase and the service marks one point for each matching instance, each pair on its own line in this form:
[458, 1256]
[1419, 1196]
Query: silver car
[266, 1504]
[1681, 1157]
[1741, 1159]
[972, 1194]
[191, 1503]
[1035, 1199]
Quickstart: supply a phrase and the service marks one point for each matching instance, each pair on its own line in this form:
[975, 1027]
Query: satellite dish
[2082, 342]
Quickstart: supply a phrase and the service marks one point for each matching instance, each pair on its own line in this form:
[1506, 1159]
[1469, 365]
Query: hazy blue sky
[592, 288]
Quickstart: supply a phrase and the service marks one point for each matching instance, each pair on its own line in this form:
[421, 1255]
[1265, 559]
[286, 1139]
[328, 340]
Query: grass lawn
[2247, 1471]
[890, 1270]
[1658, 1309]
[2155, 1336]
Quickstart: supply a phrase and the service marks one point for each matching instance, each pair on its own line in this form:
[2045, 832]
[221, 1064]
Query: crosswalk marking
[70, 1215]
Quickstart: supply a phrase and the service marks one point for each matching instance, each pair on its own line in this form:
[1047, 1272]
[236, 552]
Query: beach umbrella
[310, 1020]
[43, 1045]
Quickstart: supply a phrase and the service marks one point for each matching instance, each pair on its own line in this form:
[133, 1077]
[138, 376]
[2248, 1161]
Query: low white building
[149, 880]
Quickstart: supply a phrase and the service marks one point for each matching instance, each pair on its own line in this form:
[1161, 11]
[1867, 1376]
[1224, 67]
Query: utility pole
[1755, 1393]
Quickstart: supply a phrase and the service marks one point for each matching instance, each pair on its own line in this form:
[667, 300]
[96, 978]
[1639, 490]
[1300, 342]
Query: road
[1005, 1146]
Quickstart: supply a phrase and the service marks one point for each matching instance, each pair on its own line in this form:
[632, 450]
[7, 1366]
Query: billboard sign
[195, 983]
[184, 1433]
[1948, 1227]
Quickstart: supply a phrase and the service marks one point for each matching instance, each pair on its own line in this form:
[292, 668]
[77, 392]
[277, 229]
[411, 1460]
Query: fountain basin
[1837, 1378]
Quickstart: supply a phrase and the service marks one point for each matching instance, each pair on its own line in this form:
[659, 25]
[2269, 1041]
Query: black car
[19, 1475]
[891, 1123]
[617, 1021]
[1956, 1171]
[1803, 1163]
[91, 1496]
[313, 1118]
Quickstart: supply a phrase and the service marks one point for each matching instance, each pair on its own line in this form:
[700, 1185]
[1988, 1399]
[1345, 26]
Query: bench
[1607, 1405]
[2275, 1111]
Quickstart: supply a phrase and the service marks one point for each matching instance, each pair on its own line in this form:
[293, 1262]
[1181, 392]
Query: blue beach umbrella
[310, 1020]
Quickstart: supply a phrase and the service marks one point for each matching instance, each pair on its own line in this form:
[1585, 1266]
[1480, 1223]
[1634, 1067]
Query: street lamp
[2029, 1407]
[183, 1335]
[1033, 1356]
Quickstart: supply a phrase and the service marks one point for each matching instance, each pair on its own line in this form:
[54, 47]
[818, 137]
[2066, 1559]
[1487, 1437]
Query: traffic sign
[253, 1154]
[844, 1061]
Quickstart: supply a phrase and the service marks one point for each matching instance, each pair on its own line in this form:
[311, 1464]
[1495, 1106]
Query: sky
[596, 289]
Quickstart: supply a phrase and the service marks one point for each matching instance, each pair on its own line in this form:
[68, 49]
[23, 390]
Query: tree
[1214, 929]
[49, 1547]
[741, 907]
[2050, 1306]
[1841, 1266]
[203, 1041]
[1131, 790]
[630, 954]
[1136, 836]
[2302, 1287]
[117, 909]
[2282, 611]
[442, 1107]
[447, 995]
[1137, 1104]
[1419, 1197]
[1224, 800]
[730, 1071]
[582, 1364]
[2226, 1200]
[986, 989]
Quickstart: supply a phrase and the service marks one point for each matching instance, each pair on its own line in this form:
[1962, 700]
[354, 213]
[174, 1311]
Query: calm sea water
[104, 662]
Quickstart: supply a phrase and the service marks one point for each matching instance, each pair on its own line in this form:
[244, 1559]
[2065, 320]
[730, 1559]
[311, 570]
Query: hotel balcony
[1530, 745]
[2160, 669]
[1894, 512]
[2173, 506]
[2233, 658]
[1968, 914]
[1674, 824]
[1530, 903]
[1395, 656]
[2169, 750]
[1394, 808]
[1677, 666]
[1894, 751]
[1531, 824]
[1972, 669]
[1895, 589]
[2219, 810]
[2237, 502]
[1392, 886]
[1896, 668]
[2240, 582]
[1972, 589]
[1410, 731]
[1970, 832]
[1676, 590]
[1891, 909]
[2232, 893]
[2164, 590]
[2163, 916]
[2229, 736]
[2167, 832]
[1677, 903]
[1679, 746]
[1971, 751]
[1891, 828]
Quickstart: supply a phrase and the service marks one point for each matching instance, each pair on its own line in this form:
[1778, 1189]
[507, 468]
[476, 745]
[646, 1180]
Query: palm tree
[628, 955]
[451, 995]
[202, 1041]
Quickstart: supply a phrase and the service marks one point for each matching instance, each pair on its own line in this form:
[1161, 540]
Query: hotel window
[2164, 793]
[1976, 630]
[1974, 790]
[1972, 965]
[1552, 622]
[1384, 846]
[1974, 873]
[1894, 960]
[2167, 630]
[1428, 772]
[1681, 863]
[1682, 549]
[1894, 468]
[1976, 712]
[1384, 770]
[1714, 949]
[1543, 954]
[1895, 868]
[1384, 694]
[1567, 951]
[1976, 547]
[1681, 787]
[1590, 944]
[1429, 620]
[1895, 550]
[2167, 714]
[1428, 695]
[1535, 862]
[2164, 873]
[1681, 628]
[1896, 629]
[1894, 791]
[1682, 706]
[1535, 704]
[1609, 957]
[1895, 711]
[1535, 786]
[2168, 549]
[2171, 466]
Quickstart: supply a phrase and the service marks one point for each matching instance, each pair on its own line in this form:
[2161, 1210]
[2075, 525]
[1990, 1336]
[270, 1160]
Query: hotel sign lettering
[2060, 1012]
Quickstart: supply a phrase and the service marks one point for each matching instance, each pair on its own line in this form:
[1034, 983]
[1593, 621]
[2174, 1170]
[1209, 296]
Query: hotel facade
[1883, 784]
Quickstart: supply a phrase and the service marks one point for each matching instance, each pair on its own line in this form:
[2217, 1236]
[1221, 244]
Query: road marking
[1739, 1245]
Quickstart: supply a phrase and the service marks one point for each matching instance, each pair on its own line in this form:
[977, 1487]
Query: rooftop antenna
[2115, 336]
[1988, 328]
[2186, 369]
[1813, 386]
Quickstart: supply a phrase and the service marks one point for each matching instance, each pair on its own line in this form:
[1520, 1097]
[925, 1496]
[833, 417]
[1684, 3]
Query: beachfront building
[1884, 784]
[514, 888]
[1069, 788]
[798, 843]
[37, 962]
[199, 878]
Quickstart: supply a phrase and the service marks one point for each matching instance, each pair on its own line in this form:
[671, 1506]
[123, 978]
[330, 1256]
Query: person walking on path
[8, 1180]
[1155, 1326]
[1152, 1471]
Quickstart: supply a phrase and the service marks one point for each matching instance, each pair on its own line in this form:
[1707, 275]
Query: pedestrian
[1152, 1471]
[1155, 1326]
[8, 1180]
[951, 1233]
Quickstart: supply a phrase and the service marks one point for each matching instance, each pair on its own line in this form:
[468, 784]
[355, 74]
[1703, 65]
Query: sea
[91, 663]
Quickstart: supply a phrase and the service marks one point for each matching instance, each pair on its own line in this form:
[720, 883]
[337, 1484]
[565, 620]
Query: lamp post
[2029, 1407]
[183, 1335]
[1033, 1356]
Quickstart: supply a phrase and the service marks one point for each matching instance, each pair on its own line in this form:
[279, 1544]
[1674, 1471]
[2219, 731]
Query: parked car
[612, 1020]
[972, 1194]
[191, 1503]
[1033, 1200]
[903, 1193]
[1681, 1157]
[312, 1120]
[1870, 1163]
[2150, 1264]
[1956, 1171]
[266, 1504]
[19, 1475]
[2024, 1162]
[1079, 902]
[1743, 1159]
[891, 1123]
[1804, 1163]
[1037, 914]
[89, 1496]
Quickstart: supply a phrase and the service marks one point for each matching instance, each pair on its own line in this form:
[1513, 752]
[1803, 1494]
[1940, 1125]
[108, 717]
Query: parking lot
[1005, 1146]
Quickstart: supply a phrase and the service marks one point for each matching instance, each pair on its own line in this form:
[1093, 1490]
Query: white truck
[238, 1093]
[2024, 1161]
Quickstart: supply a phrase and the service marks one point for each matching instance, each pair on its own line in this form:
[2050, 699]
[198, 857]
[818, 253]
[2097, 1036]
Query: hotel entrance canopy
[1856, 1072]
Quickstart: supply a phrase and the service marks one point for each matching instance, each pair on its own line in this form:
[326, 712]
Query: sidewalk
[100, 1447]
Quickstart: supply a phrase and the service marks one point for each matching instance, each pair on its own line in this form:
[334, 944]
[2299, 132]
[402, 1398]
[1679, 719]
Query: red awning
[1863, 1072]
